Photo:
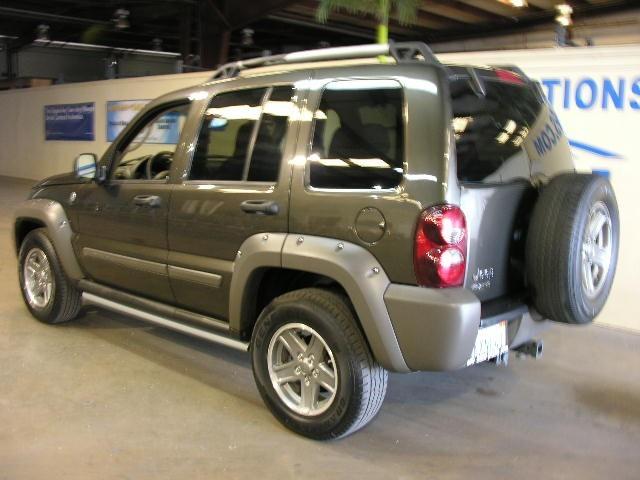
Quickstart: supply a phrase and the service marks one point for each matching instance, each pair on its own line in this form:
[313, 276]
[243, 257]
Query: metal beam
[241, 14]
[424, 20]
[185, 32]
[344, 30]
[496, 7]
[213, 34]
[53, 17]
[533, 20]
[544, 4]
[448, 10]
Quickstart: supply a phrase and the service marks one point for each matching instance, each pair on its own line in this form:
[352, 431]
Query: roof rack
[401, 52]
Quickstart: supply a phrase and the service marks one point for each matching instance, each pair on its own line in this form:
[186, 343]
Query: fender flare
[350, 265]
[51, 214]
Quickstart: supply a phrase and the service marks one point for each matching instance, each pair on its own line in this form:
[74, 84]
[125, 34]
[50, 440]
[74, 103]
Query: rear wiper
[477, 84]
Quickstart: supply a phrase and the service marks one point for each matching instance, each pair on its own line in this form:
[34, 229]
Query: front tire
[313, 367]
[46, 290]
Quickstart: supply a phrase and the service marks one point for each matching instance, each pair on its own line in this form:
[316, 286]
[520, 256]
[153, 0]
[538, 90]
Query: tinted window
[147, 151]
[490, 129]
[267, 151]
[225, 136]
[357, 141]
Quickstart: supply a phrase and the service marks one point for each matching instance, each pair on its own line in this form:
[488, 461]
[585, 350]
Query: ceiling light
[247, 37]
[121, 19]
[564, 14]
[515, 3]
[42, 32]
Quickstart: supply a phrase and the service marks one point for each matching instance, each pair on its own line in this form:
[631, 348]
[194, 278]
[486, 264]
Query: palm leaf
[405, 10]
[358, 7]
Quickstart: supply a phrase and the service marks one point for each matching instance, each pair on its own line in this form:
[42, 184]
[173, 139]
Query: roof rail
[401, 52]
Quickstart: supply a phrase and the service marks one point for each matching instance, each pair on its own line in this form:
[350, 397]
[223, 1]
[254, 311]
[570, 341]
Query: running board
[91, 299]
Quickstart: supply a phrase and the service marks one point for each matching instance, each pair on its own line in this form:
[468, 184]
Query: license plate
[491, 342]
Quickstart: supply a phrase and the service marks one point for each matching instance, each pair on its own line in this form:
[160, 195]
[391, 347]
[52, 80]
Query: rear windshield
[490, 129]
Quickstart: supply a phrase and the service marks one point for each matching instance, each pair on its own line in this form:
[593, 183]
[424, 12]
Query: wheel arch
[22, 227]
[316, 261]
[42, 213]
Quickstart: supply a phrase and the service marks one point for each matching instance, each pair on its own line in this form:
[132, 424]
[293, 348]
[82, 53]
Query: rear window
[357, 141]
[490, 129]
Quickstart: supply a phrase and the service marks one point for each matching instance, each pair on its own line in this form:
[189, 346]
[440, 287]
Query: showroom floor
[109, 397]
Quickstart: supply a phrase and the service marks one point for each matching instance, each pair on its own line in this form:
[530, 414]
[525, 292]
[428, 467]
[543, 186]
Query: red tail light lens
[441, 247]
[509, 77]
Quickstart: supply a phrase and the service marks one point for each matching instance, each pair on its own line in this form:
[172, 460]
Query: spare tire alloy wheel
[38, 279]
[302, 369]
[597, 247]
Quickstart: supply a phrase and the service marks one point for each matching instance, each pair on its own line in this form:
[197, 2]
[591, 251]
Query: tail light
[509, 77]
[440, 251]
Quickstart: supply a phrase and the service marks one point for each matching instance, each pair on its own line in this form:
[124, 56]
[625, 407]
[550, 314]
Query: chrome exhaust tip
[533, 348]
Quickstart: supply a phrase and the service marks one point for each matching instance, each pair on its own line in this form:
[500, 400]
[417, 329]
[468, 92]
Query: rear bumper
[436, 328]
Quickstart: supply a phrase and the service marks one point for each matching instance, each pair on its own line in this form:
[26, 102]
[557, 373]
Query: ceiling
[278, 25]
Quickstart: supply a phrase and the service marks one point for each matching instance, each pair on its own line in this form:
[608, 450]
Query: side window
[241, 138]
[225, 135]
[267, 153]
[147, 152]
[358, 136]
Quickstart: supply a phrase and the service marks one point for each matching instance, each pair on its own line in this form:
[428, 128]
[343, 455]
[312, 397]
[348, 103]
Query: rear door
[496, 118]
[237, 185]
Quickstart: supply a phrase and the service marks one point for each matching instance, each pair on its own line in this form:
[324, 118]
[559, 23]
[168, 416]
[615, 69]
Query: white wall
[602, 122]
[25, 153]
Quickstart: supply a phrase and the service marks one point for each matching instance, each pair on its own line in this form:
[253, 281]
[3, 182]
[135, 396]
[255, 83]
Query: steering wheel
[165, 155]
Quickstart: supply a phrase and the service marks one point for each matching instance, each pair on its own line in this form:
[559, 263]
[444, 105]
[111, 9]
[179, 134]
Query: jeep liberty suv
[338, 215]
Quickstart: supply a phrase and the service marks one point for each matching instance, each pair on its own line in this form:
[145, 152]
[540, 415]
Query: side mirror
[86, 165]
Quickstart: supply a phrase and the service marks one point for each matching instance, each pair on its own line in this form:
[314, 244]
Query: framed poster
[71, 121]
[120, 113]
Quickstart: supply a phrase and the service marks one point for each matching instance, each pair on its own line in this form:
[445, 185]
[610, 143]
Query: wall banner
[72, 121]
[120, 113]
[164, 129]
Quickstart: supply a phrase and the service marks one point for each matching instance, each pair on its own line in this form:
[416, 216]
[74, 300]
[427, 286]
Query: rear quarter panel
[426, 179]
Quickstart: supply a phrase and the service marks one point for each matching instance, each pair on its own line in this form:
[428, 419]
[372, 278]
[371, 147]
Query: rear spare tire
[572, 247]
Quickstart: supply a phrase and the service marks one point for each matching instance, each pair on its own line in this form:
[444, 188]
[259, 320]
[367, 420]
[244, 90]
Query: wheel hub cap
[597, 248]
[38, 278]
[302, 369]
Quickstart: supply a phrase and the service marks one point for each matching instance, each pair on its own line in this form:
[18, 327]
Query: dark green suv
[339, 213]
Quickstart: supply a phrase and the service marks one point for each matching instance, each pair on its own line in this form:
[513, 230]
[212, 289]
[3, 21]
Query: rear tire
[572, 247]
[48, 293]
[315, 320]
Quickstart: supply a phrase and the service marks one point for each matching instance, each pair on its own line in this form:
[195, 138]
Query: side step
[91, 299]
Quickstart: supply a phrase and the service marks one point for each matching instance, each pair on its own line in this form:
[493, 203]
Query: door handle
[152, 201]
[260, 207]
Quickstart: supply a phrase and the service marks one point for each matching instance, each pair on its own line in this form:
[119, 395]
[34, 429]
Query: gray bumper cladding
[436, 328]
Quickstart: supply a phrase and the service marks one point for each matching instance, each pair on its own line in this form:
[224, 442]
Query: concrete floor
[109, 397]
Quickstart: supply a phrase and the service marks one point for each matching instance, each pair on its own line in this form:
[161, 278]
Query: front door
[237, 186]
[122, 223]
